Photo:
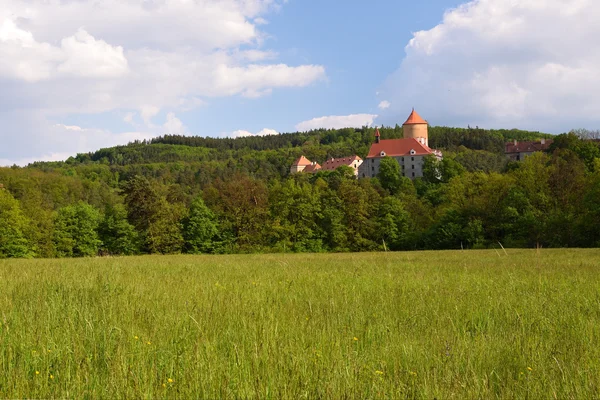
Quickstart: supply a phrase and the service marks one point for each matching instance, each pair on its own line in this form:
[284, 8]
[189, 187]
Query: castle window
[413, 174]
[413, 166]
[412, 159]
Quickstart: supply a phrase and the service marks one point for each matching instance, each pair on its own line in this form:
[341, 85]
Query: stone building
[517, 151]
[409, 152]
[353, 162]
[303, 164]
[300, 165]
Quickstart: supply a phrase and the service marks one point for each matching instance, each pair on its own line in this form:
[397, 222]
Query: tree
[118, 236]
[164, 233]
[200, 228]
[389, 174]
[143, 202]
[296, 211]
[440, 171]
[13, 225]
[392, 222]
[242, 206]
[75, 232]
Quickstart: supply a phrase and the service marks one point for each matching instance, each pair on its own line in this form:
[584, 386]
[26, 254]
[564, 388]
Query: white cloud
[257, 80]
[129, 118]
[239, 133]
[503, 63]
[28, 160]
[174, 126]
[267, 132]
[337, 122]
[71, 139]
[88, 57]
[260, 21]
[384, 105]
[132, 59]
[79, 55]
[244, 133]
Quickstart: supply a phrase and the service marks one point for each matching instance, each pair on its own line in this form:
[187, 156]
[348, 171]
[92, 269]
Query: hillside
[190, 194]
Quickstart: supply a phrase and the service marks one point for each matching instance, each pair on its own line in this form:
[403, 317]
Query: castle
[409, 152]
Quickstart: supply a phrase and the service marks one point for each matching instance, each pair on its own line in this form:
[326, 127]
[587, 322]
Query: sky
[80, 75]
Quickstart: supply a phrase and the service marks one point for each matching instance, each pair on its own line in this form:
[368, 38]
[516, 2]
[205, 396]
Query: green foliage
[149, 193]
[389, 174]
[13, 228]
[164, 234]
[588, 151]
[76, 231]
[200, 228]
[393, 223]
[118, 236]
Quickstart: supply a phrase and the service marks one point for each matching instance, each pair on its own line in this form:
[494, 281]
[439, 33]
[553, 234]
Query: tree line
[473, 198]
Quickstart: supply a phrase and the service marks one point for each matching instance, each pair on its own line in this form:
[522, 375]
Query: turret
[416, 127]
[377, 136]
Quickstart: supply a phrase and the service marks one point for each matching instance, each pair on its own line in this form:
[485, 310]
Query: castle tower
[415, 127]
[377, 136]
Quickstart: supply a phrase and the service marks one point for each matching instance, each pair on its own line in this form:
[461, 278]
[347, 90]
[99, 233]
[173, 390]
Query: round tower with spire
[416, 127]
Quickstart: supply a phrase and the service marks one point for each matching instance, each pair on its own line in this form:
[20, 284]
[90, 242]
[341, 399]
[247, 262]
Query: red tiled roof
[527, 147]
[398, 147]
[302, 161]
[312, 168]
[414, 119]
[333, 163]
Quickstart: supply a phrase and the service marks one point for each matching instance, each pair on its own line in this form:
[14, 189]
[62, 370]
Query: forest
[178, 194]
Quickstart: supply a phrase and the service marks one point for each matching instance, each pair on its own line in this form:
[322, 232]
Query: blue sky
[78, 76]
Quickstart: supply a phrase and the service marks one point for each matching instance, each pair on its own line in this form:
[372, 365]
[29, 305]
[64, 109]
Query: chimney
[543, 141]
[377, 136]
[516, 142]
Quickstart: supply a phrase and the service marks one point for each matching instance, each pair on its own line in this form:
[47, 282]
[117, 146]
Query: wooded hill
[192, 194]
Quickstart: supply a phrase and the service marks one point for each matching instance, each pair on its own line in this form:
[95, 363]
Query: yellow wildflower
[37, 372]
[148, 343]
[529, 369]
[170, 380]
[379, 372]
[164, 385]
[355, 338]
[51, 376]
[136, 338]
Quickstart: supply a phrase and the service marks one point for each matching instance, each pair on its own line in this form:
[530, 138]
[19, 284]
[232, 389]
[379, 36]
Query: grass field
[389, 325]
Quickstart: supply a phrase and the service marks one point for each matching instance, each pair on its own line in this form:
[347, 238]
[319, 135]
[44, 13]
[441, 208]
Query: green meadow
[454, 324]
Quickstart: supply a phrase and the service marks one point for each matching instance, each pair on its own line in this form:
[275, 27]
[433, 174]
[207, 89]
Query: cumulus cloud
[503, 63]
[71, 139]
[132, 59]
[174, 126]
[337, 122]
[23, 57]
[384, 105]
[244, 133]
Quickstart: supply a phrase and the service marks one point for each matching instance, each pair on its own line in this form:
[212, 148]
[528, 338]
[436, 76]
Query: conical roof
[377, 134]
[414, 119]
[302, 161]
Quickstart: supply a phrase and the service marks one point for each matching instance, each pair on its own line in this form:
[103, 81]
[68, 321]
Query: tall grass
[395, 325]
